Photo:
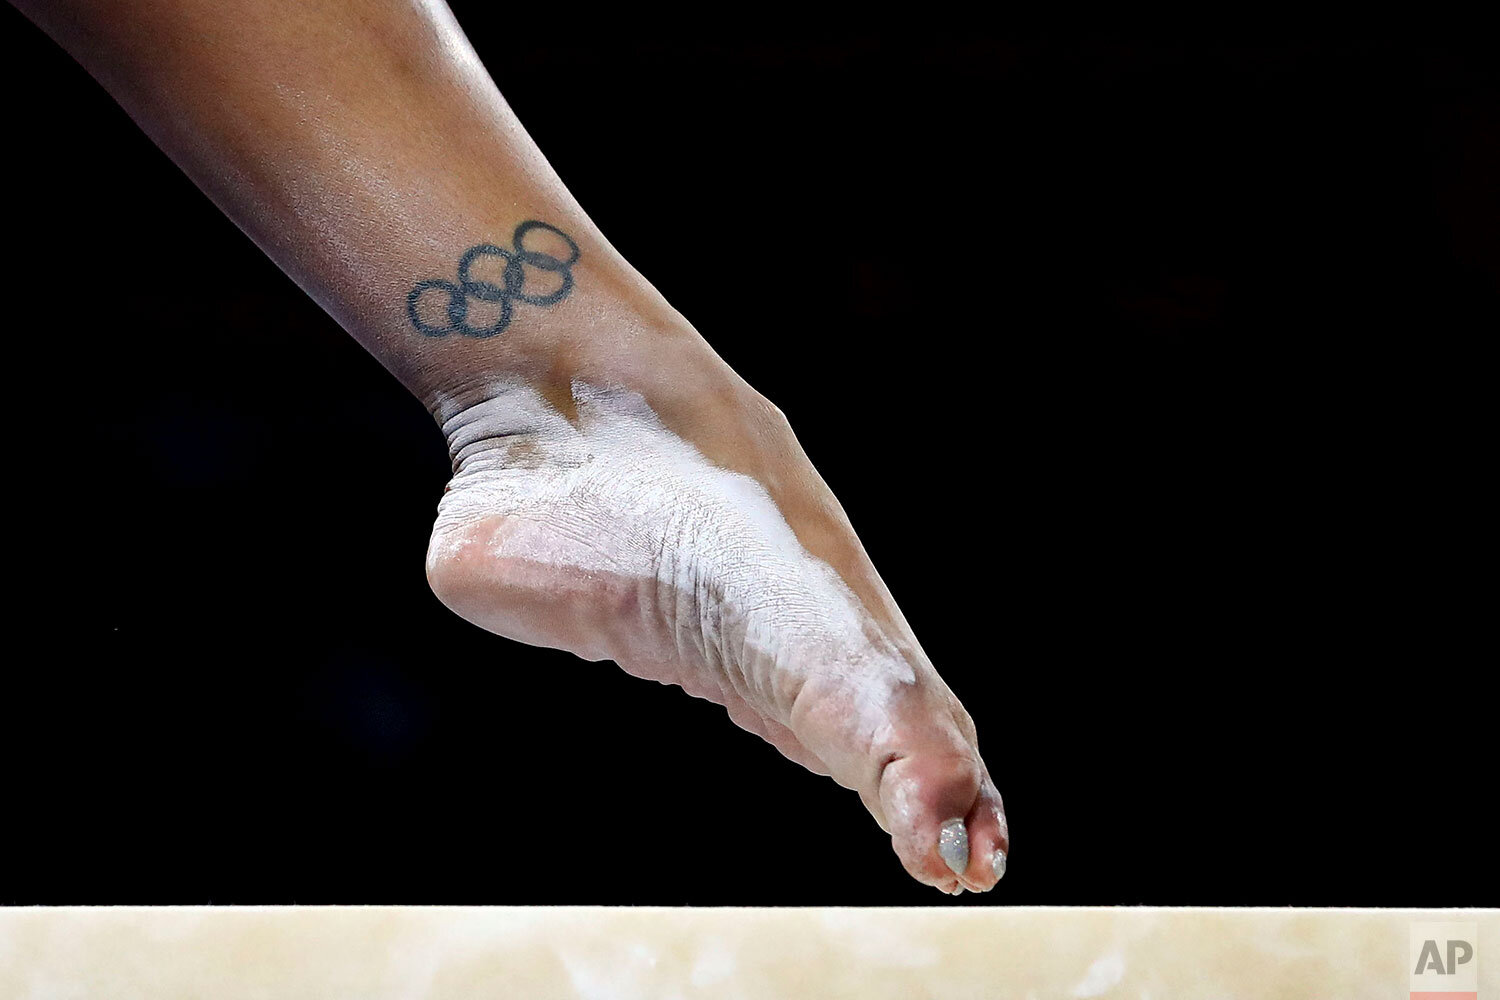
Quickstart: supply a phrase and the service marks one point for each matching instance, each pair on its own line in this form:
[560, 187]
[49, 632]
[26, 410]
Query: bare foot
[677, 528]
[617, 491]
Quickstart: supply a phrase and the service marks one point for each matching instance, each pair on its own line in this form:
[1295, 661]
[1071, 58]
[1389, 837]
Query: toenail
[999, 864]
[953, 845]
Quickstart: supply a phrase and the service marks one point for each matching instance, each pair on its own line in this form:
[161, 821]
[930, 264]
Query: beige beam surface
[613, 953]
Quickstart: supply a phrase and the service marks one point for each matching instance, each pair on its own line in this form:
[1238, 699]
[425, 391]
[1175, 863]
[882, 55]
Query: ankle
[668, 368]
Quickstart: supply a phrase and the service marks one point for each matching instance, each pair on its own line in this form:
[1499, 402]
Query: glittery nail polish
[953, 845]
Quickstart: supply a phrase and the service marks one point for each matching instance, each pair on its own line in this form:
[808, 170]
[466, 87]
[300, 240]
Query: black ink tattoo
[513, 289]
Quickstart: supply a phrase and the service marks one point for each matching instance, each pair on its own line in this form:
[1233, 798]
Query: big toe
[944, 814]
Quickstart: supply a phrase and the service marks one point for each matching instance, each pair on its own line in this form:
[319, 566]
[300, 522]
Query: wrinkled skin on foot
[687, 538]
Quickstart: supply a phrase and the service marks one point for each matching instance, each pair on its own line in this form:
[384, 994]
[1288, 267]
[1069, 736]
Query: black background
[1141, 365]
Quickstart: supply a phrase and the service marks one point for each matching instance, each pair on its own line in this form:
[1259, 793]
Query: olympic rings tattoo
[511, 290]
